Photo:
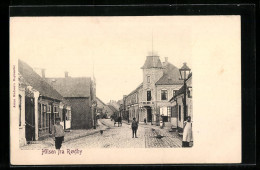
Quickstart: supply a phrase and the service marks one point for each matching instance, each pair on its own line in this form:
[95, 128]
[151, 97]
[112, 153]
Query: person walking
[134, 127]
[187, 132]
[58, 133]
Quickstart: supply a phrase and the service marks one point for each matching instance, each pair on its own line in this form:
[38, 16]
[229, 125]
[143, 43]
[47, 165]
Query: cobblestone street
[117, 137]
[121, 137]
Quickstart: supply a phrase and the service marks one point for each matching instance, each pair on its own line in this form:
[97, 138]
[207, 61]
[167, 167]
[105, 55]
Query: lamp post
[184, 72]
[94, 107]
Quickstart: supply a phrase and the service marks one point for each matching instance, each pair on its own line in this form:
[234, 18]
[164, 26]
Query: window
[148, 79]
[55, 109]
[44, 116]
[149, 96]
[49, 109]
[164, 95]
[68, 115]
[20, 110]
[179, 113]
[168, 111]
[39, 116]
[174, 92]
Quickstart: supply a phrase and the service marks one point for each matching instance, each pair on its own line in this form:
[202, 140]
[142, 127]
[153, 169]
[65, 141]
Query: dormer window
[148, 79]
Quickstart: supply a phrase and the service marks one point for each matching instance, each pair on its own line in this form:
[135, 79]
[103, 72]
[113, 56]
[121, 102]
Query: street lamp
[184, 72]
[94, 107]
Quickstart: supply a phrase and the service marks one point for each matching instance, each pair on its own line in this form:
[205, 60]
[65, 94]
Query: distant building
[115, 104]
[79, 92]
[150, 100]
[114, 110]
[102, 108]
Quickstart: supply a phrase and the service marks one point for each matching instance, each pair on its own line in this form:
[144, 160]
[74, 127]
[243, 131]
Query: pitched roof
[37, 82]
[138, 87]
[170, 76]
[71, 86]
[100, 101]
[152, 62]
[112, 108]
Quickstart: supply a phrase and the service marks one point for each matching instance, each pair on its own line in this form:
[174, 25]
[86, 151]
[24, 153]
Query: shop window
[164, 95]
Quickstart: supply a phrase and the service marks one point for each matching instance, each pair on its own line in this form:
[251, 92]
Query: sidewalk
[71, 135]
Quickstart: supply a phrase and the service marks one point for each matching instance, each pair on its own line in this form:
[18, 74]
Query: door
[64, 117]
[29, 119]
[174, 111]
[149, 114]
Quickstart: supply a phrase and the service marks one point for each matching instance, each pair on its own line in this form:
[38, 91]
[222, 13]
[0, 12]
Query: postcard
[125, 90]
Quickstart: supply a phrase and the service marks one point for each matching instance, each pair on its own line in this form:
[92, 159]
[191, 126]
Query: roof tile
[71, 86]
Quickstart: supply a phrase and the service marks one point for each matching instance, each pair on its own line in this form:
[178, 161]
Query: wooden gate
[29, 119]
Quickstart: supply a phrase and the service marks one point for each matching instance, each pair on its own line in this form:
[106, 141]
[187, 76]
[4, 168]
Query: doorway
[149, 114]
[29, 119]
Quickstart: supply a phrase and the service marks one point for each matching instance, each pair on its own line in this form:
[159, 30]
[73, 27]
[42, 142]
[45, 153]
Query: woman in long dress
[187, 132]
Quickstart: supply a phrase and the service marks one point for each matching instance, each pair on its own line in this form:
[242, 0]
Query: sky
[113, 49]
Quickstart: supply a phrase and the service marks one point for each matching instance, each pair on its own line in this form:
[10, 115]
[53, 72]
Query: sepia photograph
[96, 86]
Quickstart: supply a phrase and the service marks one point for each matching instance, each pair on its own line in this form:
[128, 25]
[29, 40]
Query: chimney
[166, 59]
[66, 74]
[43, 73]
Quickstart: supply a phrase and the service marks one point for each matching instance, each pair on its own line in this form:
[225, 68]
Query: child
[58, 133]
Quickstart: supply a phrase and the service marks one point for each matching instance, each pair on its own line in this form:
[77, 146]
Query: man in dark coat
[134, 127]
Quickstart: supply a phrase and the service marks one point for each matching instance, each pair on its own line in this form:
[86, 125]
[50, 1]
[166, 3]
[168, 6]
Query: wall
[44, 131]
[81, 116]
[169, 88]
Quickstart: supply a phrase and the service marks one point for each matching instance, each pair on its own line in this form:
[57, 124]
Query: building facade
[39, 105]
[178, 107]
[79, 92]
[150, 100]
